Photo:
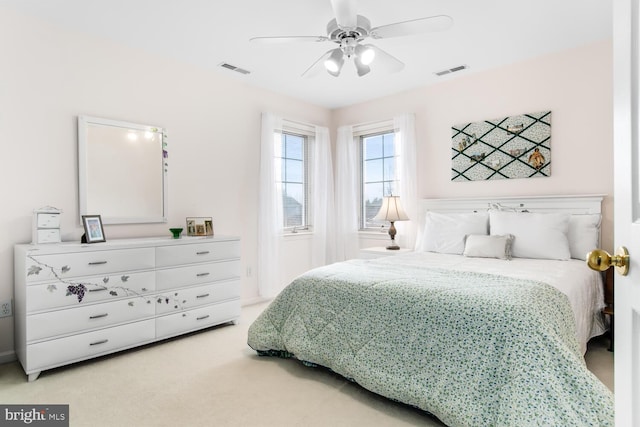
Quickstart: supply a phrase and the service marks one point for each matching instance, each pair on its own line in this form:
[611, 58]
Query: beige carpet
[212, 378]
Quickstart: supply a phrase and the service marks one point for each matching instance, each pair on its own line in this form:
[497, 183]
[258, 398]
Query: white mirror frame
[131, 189]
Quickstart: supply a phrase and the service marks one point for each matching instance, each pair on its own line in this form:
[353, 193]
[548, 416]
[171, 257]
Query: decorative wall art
[510, 147]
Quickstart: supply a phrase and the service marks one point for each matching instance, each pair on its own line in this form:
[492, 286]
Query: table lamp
[391, 210]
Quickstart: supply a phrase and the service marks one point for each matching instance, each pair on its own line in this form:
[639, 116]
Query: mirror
[122, 171]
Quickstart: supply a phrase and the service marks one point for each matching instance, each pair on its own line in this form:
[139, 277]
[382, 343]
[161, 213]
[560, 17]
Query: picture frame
[199, 226]
[93, 229]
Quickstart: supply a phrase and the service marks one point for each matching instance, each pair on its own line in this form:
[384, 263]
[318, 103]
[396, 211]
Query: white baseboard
[253, 301]
[7, 357]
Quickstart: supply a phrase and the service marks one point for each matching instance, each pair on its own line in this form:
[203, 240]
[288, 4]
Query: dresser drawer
[48, 220]
[200, 295]
[78, 347]
[195, 274]
[88, 263]
[174, 324]
[54, 294]
[197, 252]
[77, 319]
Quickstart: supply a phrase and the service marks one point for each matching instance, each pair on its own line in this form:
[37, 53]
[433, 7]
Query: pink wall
[51, 75]
[575, 85]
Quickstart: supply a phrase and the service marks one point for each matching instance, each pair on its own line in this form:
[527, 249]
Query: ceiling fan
[349, 30]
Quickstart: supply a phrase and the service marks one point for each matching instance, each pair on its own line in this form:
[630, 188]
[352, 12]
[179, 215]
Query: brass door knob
[600, 260]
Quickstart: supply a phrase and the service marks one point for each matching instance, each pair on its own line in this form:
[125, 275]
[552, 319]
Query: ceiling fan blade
[415, 26]
[288, 39]
[317, 66]
[384, 62]
[346, 13]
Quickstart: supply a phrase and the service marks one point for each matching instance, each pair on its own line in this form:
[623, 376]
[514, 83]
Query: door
[626, 130]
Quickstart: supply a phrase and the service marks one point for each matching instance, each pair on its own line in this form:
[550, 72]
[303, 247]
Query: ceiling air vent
[234, 68]
[451, 70]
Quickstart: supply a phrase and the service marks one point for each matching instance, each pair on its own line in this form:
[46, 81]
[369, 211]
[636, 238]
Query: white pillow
[445, 233]
[537, 235]
[488, 246]
[584, 234]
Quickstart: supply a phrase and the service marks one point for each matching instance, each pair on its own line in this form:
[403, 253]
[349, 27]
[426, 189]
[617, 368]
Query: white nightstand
[380, 251]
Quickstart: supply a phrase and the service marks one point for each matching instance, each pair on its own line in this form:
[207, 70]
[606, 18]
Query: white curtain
[346, 191]
[322, 203]
[270, 218]
[405, 141]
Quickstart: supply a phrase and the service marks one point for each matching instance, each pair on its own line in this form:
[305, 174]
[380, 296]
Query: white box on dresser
[136, 291]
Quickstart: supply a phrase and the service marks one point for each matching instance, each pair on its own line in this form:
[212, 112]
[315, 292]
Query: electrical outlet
[5, 308]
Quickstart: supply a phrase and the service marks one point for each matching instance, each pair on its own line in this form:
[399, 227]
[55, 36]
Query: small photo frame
[93, 230]
[199, 226]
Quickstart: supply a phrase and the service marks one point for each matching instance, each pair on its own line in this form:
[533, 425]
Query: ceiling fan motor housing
[359, 33]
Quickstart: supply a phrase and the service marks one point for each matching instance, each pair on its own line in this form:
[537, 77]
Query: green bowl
[176, 232]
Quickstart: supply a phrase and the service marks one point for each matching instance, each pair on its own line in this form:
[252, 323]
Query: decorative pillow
[445, 233]
[536, 235]
[584, 234]
[488, 246]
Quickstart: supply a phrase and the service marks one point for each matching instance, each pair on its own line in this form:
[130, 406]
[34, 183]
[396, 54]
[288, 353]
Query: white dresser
[134, 291]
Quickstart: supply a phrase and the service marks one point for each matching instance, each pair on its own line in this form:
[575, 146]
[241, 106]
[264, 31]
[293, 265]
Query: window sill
[300, 234]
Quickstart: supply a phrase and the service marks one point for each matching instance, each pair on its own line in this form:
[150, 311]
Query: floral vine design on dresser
[80, 288]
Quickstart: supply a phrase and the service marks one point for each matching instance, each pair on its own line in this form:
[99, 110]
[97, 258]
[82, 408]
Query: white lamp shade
[334, 62]
[361, 68]
[365, 54]
[391, 210]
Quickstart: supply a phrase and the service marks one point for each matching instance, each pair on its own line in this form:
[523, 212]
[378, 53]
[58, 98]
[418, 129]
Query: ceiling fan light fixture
[334, 62]
[361, 68]
[365, 53]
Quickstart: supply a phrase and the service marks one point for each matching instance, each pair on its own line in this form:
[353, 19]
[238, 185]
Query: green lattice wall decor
[511, 147]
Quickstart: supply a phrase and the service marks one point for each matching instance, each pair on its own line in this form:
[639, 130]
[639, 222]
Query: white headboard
[589, 204]
[585, 204]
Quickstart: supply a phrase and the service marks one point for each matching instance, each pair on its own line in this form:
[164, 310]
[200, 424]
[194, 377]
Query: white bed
[467, 327]
[583, 287]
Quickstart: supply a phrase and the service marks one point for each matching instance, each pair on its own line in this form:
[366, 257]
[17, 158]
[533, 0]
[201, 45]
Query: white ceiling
[485, 34]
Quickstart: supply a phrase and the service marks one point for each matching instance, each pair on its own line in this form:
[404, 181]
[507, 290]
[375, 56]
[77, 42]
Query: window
[378, 176]
[293, 158]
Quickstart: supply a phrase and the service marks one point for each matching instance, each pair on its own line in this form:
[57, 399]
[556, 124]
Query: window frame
[361, 133]
[307, 133]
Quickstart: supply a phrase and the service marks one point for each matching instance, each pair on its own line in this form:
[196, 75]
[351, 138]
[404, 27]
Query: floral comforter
[474, 349]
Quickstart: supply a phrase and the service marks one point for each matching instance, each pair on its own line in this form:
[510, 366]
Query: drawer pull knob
[97, 290]
[202, 296]
[202, 253]
[202, 317]
[99, 342]
[98, 316]
[202, 274]
[97, 262]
